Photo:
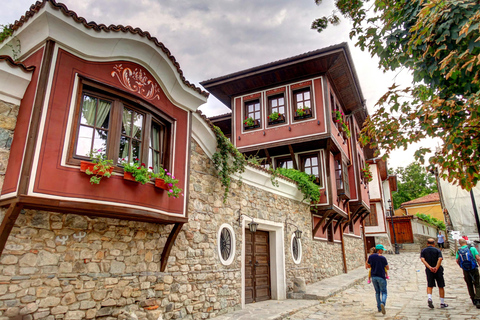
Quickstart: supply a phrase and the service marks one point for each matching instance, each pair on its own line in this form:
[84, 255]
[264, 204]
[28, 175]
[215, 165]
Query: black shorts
[435, 277]
[441, 245]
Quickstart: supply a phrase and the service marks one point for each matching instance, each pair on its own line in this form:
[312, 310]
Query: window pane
[100, 141]
[281, 110]
[257, 106]
[250, 108]
[84, 142]
[257, 115]
[154, 141]
[315, 171]
[103, 114]
[127, 121]
[306, 104]
[136, 145]
[274, 103]
[299, 96]
[307, 162]
[314, 161]
[281, 101]
[123, 152]
[306, 95]
[308, 171]
[88, 110]
[137, 125]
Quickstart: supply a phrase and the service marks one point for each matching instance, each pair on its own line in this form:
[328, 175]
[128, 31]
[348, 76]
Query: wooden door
[257, 267]
[403, 231]
[370, 242]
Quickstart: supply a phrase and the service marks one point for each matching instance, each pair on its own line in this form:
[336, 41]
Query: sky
[212, 38]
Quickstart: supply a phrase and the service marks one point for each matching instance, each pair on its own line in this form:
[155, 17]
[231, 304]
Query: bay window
[121, 127]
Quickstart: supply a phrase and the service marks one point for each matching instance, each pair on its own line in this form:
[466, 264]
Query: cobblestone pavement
[407, 296]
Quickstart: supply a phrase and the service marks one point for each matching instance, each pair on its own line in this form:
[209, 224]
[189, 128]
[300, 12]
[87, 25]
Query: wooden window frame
[319, 182]
[372, 218]
[343, 191]
[120, 100]
[270, 107]
[278, 160]
[294, 101]
[247, 114]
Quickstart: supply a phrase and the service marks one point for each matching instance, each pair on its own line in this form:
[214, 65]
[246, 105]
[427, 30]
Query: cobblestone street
[407, 298]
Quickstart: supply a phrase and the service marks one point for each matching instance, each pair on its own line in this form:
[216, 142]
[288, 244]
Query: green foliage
[413, 182]
[227, 160]
[429, 219]
[5, 32]
[367, 174]
[102, 167]
[439, 42]
[249, 122]
[302, 111]
[274, 116]
[138, 170]
[304, 181]
[338, 118]
[170, 180]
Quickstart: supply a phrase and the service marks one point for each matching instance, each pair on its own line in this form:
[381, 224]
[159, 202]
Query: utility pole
[393, 227]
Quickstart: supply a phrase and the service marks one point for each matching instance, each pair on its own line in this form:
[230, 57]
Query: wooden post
[8, 222]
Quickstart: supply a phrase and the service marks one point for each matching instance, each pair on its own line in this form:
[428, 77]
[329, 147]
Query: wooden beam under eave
[292, 154]
[337, 225]
[169, 244]
[8, 222]
[269, 160]
[329, 222]
[317, 226]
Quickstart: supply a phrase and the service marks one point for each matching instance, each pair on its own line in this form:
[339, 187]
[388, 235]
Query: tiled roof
[16, 64]
[101, 27]
[434, 197]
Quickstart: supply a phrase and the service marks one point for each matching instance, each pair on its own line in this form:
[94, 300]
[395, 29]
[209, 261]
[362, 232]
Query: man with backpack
[468, 259]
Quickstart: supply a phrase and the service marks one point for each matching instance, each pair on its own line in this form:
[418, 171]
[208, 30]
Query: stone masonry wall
[354, 252]
[8, 120]
[66, 266]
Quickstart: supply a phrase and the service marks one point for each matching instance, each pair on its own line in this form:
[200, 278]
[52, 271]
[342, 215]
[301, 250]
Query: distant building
[429, 204]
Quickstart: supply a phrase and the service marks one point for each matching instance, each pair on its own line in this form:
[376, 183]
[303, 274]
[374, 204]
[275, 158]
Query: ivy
[304, 182]
[429, 219]
[5, 32]
[227, 160]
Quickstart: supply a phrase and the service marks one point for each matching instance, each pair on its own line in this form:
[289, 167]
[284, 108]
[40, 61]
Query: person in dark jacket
[378, 263]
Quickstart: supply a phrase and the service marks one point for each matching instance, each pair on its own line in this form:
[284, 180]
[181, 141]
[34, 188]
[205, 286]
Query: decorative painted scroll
[137, 81]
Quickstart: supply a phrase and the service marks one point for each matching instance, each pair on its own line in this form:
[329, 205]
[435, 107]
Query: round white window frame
[299, 260]
[232, 253]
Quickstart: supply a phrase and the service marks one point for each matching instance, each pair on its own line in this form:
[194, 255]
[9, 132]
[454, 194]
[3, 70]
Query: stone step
[410, 247]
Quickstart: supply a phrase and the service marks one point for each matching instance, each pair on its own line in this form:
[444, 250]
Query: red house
[305, 113]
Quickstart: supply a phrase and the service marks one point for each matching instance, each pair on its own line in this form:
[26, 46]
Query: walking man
[432, 259]
[379, 264]
[441, 240]
[468, 259]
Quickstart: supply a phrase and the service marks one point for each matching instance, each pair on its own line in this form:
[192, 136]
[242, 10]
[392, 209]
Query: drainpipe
[343, 250]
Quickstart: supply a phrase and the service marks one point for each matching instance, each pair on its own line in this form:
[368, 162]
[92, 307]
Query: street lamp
[298, 232]
[393, 227]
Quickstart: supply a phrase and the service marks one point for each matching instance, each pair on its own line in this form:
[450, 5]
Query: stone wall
[66, 266]
[354, 252]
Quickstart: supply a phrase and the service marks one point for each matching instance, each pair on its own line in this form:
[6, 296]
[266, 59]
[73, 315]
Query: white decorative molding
[13, 82]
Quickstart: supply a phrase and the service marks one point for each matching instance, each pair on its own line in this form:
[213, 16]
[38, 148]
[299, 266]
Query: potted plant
[338, 116]
[165, 180]
[367, 174]
[249, 123]
[99, 166]
[302, 113]
[136, 171]
[276, 117]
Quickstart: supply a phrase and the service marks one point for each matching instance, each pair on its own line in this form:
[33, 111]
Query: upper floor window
[302, 103]
[286, 163]
[121, 128]
[253, 111]
[276, 105]
[341, 178]
[311, 165]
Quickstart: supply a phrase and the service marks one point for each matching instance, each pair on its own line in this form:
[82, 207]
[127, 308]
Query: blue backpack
[467, 260]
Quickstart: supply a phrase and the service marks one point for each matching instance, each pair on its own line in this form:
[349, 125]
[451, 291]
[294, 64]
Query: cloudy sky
[211, 38]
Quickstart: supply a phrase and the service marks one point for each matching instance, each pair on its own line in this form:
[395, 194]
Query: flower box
[308, 114]
[128, 176]
[281, 119]
[160, 183]
[86, 165]
[255, 125]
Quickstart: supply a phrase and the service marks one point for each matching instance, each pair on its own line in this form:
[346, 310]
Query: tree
[413, 182]
[439, 42]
